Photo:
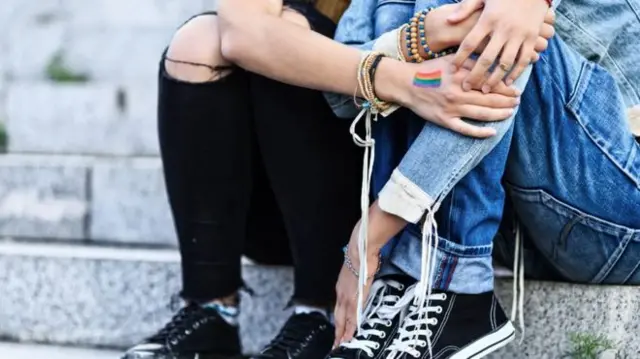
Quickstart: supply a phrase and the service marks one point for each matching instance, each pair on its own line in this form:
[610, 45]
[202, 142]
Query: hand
[513, 27]
[446, 104]
[345, 312]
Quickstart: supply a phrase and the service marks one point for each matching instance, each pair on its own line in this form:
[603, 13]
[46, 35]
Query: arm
[261, 42]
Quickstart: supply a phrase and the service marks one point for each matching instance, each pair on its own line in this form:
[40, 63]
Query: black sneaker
[381, 322]
[460, 327]
[193, 333]
[303, 336]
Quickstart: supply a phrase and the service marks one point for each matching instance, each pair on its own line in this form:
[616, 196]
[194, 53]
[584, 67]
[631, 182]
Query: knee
[295, 17]
[194, 52]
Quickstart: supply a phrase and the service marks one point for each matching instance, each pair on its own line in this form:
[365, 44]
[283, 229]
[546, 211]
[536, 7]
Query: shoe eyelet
[377, 346]
[187, 332]
[415, 355]
[196, 325]
[401, 287]
[389, 323]
[439, 310]
[383, 335]
[174, 342]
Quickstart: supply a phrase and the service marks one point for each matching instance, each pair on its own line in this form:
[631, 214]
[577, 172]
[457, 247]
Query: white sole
[488, 344]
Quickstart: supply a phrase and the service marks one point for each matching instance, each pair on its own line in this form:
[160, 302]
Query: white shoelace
[430, 238]
[381, 310]
[415, 327]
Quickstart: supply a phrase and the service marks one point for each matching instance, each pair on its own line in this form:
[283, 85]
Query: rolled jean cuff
[403, 198]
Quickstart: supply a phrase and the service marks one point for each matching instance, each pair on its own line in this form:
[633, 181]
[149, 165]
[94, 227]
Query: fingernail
[486, 88]
[517, 101]
[509, 82]
[466, 86]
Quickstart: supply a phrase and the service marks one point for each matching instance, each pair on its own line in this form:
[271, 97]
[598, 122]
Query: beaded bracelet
[418, 33]
[366, 74]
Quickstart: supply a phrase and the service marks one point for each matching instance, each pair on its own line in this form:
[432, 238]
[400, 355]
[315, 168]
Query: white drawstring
[517, 305]
[368, 143]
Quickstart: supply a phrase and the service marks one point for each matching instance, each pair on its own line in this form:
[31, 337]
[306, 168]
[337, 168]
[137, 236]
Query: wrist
[391, 81]
[438, 38]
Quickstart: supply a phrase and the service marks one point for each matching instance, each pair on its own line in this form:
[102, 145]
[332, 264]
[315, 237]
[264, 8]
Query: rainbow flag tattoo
[428, 79]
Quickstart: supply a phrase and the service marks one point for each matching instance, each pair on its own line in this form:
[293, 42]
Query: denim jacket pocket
[581, 247]
[612, 136]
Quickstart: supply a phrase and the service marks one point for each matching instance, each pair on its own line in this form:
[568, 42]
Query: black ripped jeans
[260, 168]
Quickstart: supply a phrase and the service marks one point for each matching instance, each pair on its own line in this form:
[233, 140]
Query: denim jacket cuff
[403, 198]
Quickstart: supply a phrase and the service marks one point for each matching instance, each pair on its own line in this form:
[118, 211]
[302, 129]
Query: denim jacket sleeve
[356, 28]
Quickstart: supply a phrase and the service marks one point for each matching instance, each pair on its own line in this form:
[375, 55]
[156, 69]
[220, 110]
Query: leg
[575, 185]
[205, 136]
[206, 142]
[313, 167]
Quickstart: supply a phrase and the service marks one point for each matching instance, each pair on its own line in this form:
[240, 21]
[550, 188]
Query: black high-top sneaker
[389, 298]
[303, 336]
[460, 326]
[193, 333]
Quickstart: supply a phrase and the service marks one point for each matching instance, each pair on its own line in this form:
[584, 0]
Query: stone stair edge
[77, 160]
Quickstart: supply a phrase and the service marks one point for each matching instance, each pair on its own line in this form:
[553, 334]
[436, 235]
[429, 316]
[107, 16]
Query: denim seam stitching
[569, 211]
[573, 105]
[606, 54]
[612, 261]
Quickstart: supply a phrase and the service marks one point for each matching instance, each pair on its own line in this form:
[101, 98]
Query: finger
[465, 9]
[351, 325]
[525, 59]
[478, 74]
[505, 64]
[541, 44]
[339, 321]
[464, 128]
[485, 114]
[550, 17]
[502, 89]
[547, 31]
[491, 100]
[536, 57]
[470, 44]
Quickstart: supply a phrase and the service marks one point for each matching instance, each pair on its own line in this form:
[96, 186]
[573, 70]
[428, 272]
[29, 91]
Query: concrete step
[74, 198]
[109, 297]
[97, 118]
[31, 351]
[112, 297]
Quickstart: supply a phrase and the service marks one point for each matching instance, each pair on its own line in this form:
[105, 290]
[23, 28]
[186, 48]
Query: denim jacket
[602, 31]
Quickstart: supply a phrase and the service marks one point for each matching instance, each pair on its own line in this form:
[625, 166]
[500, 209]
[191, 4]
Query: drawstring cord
[517, 305]
[368, 143]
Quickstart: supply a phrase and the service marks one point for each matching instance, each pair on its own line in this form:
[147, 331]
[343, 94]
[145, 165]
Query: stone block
[129, 203]
[81, 119]
[41, 198]
[127, 14]
[117, 54]
[553, 311]
[88, 296]
[33, 34]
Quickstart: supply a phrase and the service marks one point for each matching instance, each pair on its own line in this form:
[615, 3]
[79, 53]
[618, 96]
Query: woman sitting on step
[253, 167]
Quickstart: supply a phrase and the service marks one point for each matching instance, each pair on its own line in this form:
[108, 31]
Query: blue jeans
[572, 174]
